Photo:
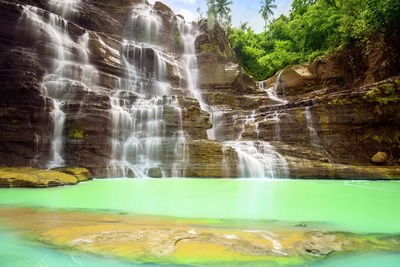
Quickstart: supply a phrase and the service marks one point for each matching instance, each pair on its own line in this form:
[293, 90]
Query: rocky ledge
[29, 177]
[168, 241]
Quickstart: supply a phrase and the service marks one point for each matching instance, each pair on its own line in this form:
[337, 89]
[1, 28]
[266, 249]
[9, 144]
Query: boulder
[379, 158]
[30, 177]
[297, 76]
[154, 173]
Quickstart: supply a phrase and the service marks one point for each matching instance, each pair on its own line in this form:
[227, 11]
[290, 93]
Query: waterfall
[141, 103]
[256, 158]
[314, 138]
[63, 7]
[67, 68]
[272, 91]
[145, 116]
[58, 140]
[143, 24]
[189, 33]
[137, 110]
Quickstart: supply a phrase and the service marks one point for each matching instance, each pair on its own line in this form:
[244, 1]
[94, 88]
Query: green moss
[377, 138]
[342, 102]
[213, 48]
[75, 131]
[178, 38]
[385, 99]
[385, 137]
[9, 120]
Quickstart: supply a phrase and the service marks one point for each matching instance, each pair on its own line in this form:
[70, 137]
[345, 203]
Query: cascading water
[66, 69]
[63, 7]
[141, 102]
[142, 139]
[272, 91]
[189, 33]
[257, 159]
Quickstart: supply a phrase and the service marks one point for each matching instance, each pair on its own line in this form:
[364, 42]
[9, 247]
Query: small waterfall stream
[189, 33]
[256, 158]
[315, 140]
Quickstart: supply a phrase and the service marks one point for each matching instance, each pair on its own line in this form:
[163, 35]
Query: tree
[211, 13]
[244, 25]
[200, 13]
[219, 10]
[223, 11]
[299, 7]
[266, 10]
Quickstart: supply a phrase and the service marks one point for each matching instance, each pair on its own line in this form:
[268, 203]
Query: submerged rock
[29, 177]
[143, 239]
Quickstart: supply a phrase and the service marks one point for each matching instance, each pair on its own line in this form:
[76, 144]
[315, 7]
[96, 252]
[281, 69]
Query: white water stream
[66, 70]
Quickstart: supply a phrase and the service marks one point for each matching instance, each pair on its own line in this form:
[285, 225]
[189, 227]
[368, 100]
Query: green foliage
[212, 48]
[313, 28]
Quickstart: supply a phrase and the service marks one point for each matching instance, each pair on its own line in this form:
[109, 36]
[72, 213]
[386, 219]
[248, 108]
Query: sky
[242, 10]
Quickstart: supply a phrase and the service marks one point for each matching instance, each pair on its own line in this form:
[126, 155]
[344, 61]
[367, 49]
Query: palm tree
[266, 10]
[244, 25]
[223, 10]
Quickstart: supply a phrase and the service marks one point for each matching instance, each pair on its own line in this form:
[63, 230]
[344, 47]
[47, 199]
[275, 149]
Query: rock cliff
[126, 88]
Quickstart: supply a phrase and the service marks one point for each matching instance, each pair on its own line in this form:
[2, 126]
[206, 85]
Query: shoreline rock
[34, 178]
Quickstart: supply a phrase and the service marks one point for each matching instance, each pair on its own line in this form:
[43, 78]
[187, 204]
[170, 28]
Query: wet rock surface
[34, 178]
[144, 239]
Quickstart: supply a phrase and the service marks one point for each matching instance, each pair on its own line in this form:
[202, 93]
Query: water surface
[356, 206]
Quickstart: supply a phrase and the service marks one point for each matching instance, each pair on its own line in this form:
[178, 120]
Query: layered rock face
[125, 88]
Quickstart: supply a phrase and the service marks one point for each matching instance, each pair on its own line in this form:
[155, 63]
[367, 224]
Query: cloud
[187, 14]
[187, 2]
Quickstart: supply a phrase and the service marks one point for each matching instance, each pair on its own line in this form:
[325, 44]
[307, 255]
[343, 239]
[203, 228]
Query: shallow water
[364, 260]
[356, 206]
[20, 253]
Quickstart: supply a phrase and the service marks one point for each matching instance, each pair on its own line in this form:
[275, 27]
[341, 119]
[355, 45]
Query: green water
[357, 206]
